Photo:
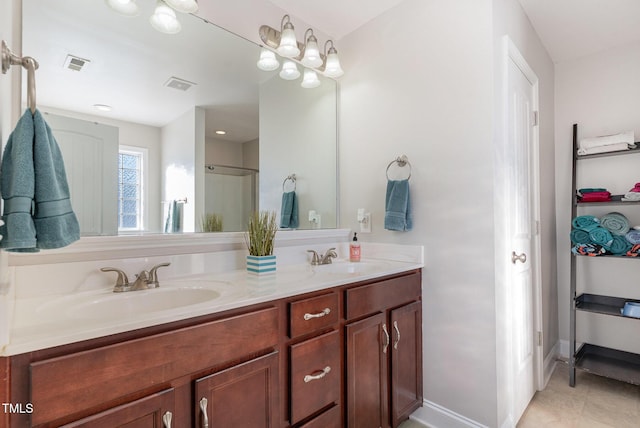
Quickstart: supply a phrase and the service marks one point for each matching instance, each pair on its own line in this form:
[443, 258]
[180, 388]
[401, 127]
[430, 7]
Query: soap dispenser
[354, 249]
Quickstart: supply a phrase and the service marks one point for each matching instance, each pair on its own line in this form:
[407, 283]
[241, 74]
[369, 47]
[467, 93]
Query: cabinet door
[243, 396]
[152, 411]
[367, 385]
[406, 361]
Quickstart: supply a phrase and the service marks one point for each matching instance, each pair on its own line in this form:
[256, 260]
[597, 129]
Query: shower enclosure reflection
[231, 195]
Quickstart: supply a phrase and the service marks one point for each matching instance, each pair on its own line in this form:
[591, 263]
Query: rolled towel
[615, 223]
[585, 222]
[587, 250]
[633, 236]
[579, 236]
[634, 251]
[631, 196]
[619, 245]
[601, 236]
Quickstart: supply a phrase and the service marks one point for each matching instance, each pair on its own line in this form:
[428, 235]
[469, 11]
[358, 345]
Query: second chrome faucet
[144, 280]
[317, 259]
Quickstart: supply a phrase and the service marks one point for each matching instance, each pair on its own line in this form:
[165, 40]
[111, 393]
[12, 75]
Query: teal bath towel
[615, 223]
[289, 211]
[601, 236]
[397, 214]
[33, 181]
[579, 236]
[585, 222]
[619, 245]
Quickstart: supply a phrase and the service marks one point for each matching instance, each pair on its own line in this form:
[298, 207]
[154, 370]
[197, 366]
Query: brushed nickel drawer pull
[203, 409]
[309, 378]
[325, 311]
[386, 336]
[166, 418]
[395, 326]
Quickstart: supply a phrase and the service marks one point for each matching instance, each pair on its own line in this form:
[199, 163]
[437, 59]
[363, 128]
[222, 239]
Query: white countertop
[44, 322]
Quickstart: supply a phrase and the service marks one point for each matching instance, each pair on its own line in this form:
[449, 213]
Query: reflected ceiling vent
[177, 83]
[75, 63]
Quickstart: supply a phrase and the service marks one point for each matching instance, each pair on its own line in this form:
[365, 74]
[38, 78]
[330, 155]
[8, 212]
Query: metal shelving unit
[611, 363]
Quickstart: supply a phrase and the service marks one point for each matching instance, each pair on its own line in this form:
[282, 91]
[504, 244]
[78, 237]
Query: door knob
[518, 258]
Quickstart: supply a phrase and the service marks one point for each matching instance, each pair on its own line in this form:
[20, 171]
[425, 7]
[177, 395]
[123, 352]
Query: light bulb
[288, 46]
[312, 53]
[289, 71]
[184, 6]
[124, 7]
[267, 61]
[310, 79]
[332, 68]
[164, 19]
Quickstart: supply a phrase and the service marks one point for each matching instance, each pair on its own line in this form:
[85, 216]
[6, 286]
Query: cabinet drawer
[78, 382]
[368, 299]
[315, 375]
[332, 418]
[314, 313]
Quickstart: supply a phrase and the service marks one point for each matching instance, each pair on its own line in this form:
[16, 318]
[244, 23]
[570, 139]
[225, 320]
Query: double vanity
[336, 345]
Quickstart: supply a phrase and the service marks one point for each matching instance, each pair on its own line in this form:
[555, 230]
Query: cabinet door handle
[166, 419]
[309, 378]
[203, 410]
[325, 311]
[395, 326]
[386, 336]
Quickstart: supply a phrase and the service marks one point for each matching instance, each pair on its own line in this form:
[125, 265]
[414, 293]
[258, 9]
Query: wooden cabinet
[349, 356]
[245, 395]
[384, 352]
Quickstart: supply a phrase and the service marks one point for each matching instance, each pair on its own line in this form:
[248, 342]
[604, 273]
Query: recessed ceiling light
[102, 107]
[221, 132]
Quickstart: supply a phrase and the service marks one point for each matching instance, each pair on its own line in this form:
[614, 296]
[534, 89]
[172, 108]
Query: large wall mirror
[157, 161]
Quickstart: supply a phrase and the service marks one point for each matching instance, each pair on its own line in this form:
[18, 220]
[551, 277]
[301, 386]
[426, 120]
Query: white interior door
[521, 220]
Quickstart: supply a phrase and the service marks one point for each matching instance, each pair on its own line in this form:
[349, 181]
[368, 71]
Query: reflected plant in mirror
[208, 131]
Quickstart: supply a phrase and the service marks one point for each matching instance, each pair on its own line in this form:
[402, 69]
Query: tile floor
[595, 402]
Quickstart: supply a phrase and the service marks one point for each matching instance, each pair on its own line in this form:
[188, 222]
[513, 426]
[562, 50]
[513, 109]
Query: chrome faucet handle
[153, 275]
[315, 259]
[122, 282]
[326, 259]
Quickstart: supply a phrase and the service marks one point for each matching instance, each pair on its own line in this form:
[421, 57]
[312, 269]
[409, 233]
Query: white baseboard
[564, 348]
[436, 416]
[550, 362]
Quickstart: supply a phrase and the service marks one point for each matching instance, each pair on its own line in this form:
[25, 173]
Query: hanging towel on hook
[37, 208]
[397, 214]
[289, 211]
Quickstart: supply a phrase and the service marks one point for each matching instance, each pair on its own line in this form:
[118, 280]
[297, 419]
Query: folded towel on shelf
[607, 140]
[39, 192]
[604, 149]
[619, 245]
[591, 190]
[631, 196]
[633, 236]
[585, 222]
[595, 197]
[634, 251]
[397, 214]
[289, 210]
[601, 236]
[615, 223]
[579, 236]
[587, 250]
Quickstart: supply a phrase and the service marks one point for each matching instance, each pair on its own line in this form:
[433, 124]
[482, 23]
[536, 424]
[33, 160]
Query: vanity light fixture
[164, 19]
[311, 56]
[288, 46]
[310, 79]
[124, 7]
[289, 70]
[184, 6]
[268, 61]
[285, 44]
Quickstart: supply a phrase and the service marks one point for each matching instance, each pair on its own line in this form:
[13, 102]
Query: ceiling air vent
[177, 83]
[75, 63]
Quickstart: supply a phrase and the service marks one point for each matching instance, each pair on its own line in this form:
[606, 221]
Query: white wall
[419, 82]
[600, 93]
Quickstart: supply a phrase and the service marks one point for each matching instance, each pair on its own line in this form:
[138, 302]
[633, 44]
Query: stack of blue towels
[610, 234]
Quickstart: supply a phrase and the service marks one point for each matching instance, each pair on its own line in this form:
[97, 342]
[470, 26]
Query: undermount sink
[344, 267]
[133, 303]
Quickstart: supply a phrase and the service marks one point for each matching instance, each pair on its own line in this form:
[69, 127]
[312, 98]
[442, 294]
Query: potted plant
[211, 222]
[261, 233]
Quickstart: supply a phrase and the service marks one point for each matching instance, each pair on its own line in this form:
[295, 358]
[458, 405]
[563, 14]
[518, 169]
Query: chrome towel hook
[27, 62]
[402, 161]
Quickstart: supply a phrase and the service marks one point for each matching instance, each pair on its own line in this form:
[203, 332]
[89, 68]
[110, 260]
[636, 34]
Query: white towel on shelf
[587, 144]
[604, 149]
[631, 196]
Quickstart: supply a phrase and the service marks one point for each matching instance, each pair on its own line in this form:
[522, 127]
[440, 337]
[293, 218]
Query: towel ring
[402, 161]
[291, 178]
[30, 64]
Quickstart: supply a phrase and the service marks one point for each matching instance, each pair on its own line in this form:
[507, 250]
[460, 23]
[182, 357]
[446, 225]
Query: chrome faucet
[144, 280]
[317, 259]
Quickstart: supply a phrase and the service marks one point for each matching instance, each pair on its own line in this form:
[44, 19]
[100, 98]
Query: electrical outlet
[365, 223]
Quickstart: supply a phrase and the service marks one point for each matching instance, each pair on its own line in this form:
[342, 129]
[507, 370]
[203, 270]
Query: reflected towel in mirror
[289, 211]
